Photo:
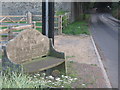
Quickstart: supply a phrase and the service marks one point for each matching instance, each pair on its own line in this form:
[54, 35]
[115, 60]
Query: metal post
[45, 24]
[51, 21]
[48, 19]
[43, 18]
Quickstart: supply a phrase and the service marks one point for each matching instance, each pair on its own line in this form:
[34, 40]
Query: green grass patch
[39, 29]
[18, 30]
[38, 24]
[17, 22]
[0, 56]
[35, 80]
[3, 27]
[94, 64]
[70, 56]
[3, 35]
[70, 70]
[60, 13]
[76, 28]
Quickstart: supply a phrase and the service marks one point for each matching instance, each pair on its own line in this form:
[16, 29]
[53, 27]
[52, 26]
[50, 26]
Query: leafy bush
[65, 21]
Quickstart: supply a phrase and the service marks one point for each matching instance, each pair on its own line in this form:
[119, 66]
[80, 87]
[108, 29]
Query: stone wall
[20, 8]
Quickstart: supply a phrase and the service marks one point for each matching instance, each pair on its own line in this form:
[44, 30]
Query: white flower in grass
[75, 78]
[53, 83]
[58, 79]
[51, 77]
[83, 84]
[65, 82]
[46, 77]
[42, 78]
[62, 76]
[43, 74]
[71, 79]
[61, 80]
[34, 76]
[66, 77]
[49, 81]
[38, 74]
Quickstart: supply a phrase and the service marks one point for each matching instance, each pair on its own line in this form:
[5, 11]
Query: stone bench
[33, 52]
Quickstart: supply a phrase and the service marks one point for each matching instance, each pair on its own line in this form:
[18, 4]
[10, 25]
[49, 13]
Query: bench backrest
[27, 45]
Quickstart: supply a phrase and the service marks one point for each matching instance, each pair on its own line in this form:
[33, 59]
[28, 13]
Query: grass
[4, 36]
[94, 64]
[3, 27]
[0, 56]
[69, 57]
[60, 13]
[38, 80]
[76, 28]
[71, 72]
[39, 29]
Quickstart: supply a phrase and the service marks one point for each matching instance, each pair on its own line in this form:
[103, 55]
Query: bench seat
[41, 64]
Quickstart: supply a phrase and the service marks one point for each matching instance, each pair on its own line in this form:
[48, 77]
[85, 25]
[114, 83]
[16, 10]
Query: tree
[116, 9]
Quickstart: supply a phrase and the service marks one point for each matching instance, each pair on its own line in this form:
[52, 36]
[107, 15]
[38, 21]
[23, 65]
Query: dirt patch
[77, 48]
[82, 61]
[88, 76]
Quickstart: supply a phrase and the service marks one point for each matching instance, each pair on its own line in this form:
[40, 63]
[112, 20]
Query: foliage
[116, 9]
[65, 21]
[85, 17]
[0, 56]
[0, 81]
[70, 56]
[60, 13]
[39, 29]
[20, 80]
[76, 28]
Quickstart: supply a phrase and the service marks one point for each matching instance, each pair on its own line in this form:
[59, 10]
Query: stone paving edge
[101, 64]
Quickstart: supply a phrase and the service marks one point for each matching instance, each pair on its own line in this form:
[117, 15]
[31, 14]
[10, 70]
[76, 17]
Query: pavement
[82, 61]
[104, 29]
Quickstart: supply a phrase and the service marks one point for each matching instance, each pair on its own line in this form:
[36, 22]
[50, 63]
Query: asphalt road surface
[105, 34]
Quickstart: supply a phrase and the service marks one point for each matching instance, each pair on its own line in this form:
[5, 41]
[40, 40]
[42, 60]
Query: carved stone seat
[33, 52]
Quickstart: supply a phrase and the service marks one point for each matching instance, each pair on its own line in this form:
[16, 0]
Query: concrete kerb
[115, 20]
[101, 64]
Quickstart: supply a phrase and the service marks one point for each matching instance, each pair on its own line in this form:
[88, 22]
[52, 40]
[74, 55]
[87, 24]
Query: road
[105, 35]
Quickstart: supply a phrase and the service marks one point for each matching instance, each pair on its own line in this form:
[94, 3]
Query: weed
[70, 56]
[76, 28]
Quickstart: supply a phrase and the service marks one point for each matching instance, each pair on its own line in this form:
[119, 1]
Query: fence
[29, 18]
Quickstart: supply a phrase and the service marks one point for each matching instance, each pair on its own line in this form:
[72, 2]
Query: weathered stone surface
[20, 8]
[29, 44]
